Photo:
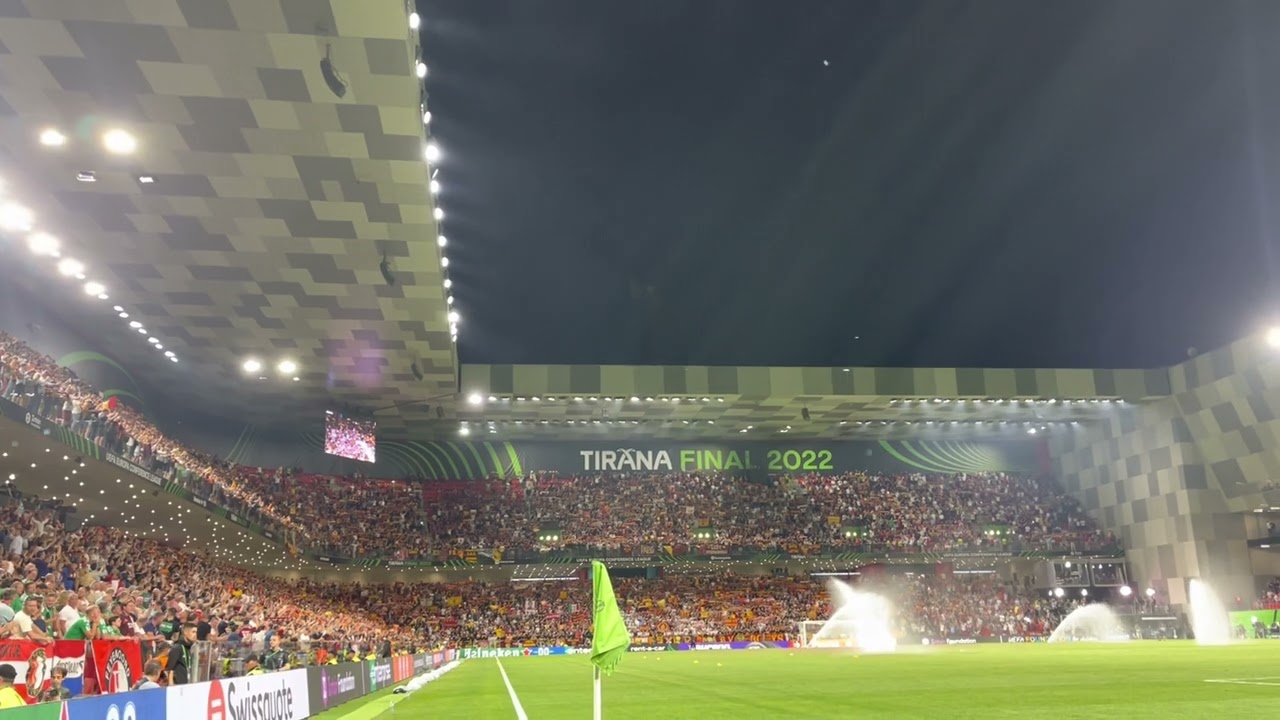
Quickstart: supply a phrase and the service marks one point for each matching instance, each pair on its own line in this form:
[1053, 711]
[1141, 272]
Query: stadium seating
[356, 517]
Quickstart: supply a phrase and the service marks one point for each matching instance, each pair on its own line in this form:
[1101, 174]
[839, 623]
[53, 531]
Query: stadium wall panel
[1174, 478]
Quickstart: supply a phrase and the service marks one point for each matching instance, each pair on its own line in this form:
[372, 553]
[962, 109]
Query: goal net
[861, 634]
[837, 634]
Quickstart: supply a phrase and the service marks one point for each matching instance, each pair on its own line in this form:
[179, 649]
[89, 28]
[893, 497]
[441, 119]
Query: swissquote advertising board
[277, 696]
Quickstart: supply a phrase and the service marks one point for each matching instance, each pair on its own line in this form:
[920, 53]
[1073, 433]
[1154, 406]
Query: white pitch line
[1247, 681]
[515, 701]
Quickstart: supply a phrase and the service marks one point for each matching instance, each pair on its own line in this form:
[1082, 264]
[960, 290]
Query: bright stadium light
[52, 137]
[442, 241]
[252, 365]
[435, 187]
[287, 367]
[43, 243]
[70, 267]
[15, 218]
[1126, 591]
[475, 398]
[414, 21]
[432, 152]
[464, 431]
[119, 142]
[1273, 337]
[1059, 592]
[421, 69]
[453, 317]
[94, 288]
[1151, 592]
[437, 214]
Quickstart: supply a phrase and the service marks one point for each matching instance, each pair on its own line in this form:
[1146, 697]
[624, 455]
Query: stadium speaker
[804, 413]
[330, 73]
[385, 267]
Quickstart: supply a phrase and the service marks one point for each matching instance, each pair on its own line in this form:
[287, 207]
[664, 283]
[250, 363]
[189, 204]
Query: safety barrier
[286, 695]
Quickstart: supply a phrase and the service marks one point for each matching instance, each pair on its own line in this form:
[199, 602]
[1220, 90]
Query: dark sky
[995, 183]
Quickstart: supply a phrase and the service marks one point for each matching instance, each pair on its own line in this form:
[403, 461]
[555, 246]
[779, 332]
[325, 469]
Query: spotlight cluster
[432, 154]
[18, 220]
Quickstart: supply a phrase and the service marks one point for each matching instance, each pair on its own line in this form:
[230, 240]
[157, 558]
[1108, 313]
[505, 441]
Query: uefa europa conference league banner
[288, 695]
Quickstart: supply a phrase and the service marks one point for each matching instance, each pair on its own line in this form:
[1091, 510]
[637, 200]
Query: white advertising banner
[277, 696]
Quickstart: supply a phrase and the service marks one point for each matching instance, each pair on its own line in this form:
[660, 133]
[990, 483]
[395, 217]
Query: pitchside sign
[278, 696]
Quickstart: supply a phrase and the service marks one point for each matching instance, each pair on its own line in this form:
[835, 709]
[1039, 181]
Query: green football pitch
[1164, 680]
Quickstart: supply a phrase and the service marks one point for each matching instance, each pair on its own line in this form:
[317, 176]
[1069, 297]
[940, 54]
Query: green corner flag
[609, 639]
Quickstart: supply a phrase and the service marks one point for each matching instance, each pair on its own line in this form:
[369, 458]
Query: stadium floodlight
[1084, 592]
[52, 137]
[1273, 337]
[432, 151]
[464, 431]
[1126, 591]
[119, 142]
[252, 365]
[287, 367]
[15, 218]
[1151, 592]
[42, 243]
[414, 21]
[442, 241]
[69, 267]
[438, 214]
[94, 288]
[475, 399]
[1059, 592]
[435, 187]
[454, 317]
[421, 69]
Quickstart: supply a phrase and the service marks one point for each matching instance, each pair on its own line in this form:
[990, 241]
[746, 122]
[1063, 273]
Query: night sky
[995, 183]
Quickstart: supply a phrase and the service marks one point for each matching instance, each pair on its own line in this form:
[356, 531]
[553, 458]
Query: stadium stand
[357, 517]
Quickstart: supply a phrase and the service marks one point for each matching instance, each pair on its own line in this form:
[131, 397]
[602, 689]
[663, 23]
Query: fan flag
[609, 639]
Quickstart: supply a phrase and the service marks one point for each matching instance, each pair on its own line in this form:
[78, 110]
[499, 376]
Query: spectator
[150, 676]
[55, 691]
[9, 697]
[179, 667]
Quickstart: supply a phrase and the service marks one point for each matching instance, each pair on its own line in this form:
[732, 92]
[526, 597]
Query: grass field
[1165, 680]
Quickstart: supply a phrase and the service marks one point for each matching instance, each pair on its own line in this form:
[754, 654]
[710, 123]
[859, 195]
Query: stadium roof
[253, 215]
[738, 402]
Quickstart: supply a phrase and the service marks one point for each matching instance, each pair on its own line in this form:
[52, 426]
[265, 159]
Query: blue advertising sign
[140, 705]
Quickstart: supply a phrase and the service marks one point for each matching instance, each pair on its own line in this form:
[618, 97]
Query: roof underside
[273, 201]
[561, 401]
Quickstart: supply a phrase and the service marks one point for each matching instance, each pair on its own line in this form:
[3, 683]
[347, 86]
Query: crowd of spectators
[356, 517]
[101, 581]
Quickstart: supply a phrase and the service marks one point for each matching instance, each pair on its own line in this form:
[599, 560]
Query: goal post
[866, 635]
[836, 635]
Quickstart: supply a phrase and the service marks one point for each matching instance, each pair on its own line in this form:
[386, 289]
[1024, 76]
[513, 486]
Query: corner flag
[609, 639]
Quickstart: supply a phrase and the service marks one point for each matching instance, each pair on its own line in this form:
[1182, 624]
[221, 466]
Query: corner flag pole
[609, 637]
[595, 699]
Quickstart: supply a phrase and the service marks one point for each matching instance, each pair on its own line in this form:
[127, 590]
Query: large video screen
[350, 438]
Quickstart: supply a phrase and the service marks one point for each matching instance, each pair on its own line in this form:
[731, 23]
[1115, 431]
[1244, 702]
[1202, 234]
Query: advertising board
[141, 705]
[278, 696]
[331, 685]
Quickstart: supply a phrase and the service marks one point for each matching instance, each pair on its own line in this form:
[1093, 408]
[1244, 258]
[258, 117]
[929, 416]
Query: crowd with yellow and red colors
[144, 589]
[399, 519]
[133, 587]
